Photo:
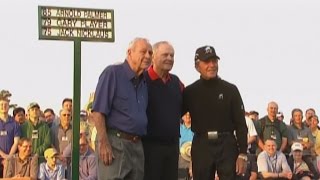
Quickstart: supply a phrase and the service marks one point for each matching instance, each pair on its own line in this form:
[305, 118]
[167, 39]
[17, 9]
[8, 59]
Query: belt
[161, 140]
[124, 135]
[220, 134]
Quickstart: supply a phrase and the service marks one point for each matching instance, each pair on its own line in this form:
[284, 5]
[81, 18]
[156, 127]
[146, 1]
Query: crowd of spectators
[276, 150]
[36, 143]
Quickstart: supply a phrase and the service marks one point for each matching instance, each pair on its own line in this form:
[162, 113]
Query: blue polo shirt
[8, 131]
[122, 98]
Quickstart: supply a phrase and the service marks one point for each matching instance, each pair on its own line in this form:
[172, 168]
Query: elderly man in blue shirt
[119, 113]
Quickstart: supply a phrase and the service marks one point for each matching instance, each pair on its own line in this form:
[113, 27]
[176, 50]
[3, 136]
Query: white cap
[296, 146]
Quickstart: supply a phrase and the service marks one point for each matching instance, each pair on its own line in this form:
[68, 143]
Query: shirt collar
[154, 76]
[87, 153]
[23, 162]
[129, 72]
[49, 170]
[185, 127]
[8, 120]
[69, 127]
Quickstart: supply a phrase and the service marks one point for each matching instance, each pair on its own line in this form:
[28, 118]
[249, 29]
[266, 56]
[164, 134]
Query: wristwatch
[243, 156]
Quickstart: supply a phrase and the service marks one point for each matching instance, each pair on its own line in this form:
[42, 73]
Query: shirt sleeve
[251, 129]
[284, 130]
[310, 137]
[92, 163]
[42, 175]
[317, 143]
[17, 130]
[105, 91]
[238, 116]
[47, 140]
[284, 163]
[289, 135]
[34, 167]
[257, 125]
[262, 163]
[7, 167]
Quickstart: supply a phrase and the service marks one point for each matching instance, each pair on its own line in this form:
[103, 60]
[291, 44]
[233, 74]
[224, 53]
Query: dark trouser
[161, 160]
[209, 156]
[1, 169]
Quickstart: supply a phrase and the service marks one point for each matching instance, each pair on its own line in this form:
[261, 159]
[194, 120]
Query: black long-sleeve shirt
[216, 105]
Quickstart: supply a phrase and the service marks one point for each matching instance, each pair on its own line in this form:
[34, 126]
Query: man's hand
[16, 176]
[241, 166]
[63, 160]
[287, 175]
[105, 151]
[6, 156]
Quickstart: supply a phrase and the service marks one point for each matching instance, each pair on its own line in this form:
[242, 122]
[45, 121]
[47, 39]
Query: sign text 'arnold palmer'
[61, 23]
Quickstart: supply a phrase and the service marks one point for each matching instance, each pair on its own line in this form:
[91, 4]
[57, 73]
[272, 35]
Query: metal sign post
[76, 24]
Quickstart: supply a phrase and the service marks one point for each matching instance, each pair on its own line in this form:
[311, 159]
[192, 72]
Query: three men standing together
[131, 103]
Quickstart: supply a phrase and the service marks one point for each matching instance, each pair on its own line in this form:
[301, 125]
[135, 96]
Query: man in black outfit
[161, 144]
[217, 111]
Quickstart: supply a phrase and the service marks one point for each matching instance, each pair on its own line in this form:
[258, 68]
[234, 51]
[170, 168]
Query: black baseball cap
[204, 53]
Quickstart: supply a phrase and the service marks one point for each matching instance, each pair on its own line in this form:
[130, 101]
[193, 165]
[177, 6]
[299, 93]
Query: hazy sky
[269, 49]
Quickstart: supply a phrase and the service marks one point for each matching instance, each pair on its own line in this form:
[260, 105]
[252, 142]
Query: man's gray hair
[135, 40]
[156, 46]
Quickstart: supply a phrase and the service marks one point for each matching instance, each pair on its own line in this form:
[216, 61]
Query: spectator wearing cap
[36, 130]
[217, 111]
[83, 116]
[298, 132]
[309, 112]
[90, 123]
[272, 164]
[10, 132]
[301, 168]
[164, 113]
[62, 134]
[119, 114]
[51, 170]
[23, 163]
[84, 122]
[19, 115]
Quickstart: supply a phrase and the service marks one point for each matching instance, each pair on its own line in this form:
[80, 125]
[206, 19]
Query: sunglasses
[84, 134]
[66, 115]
